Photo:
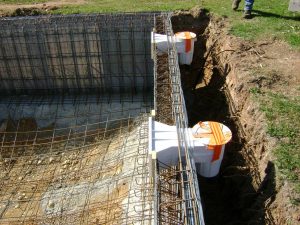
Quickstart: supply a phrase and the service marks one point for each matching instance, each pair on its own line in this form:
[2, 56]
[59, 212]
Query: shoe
[247, 14]
[235, 4]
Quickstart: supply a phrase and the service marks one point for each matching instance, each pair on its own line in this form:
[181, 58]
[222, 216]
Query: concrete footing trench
[76, 97]
[245, 187]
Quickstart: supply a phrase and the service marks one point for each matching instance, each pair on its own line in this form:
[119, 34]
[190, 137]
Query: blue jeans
[248, 4]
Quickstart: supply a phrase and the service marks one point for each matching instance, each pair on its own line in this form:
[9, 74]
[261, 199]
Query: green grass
[95, 6]
[283, 115]
[22, 1]
[271, 20]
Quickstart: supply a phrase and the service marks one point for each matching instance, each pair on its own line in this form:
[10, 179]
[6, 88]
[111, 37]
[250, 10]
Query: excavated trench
[236, 195]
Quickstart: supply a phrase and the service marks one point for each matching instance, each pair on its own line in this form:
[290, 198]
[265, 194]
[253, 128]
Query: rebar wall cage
[76, 54]
[179, 196]
[76, 92]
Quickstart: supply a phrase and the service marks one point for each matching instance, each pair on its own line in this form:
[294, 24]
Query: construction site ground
[237, 82]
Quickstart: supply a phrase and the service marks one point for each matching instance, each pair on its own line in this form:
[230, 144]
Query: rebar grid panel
[76, 172]
[179, 200]
[76, 53]
[67, 158]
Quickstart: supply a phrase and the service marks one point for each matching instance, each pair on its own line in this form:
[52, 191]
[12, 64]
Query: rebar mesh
[76, 93]
[68, 160]
[179, 197]
[85, 175]
[76, 54]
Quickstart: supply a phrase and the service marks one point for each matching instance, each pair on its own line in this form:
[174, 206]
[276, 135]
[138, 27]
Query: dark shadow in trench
[230, 198]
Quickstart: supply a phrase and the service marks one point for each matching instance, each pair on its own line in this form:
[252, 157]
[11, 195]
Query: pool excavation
[123, 119]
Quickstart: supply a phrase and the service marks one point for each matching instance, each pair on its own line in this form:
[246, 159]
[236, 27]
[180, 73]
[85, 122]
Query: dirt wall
[217, 86]
[234, 59]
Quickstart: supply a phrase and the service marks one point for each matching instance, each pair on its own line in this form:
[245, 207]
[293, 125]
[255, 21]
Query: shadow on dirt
[231, 198]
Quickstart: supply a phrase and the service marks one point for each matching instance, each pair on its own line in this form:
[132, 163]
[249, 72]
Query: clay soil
[35, 9]
[217, 87]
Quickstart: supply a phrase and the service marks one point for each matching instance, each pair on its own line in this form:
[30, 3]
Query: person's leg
[235, 4]
[248, 5]
[248, 9]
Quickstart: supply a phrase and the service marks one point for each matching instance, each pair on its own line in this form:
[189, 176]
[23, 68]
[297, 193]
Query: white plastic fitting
[208, 139]
[184, 43]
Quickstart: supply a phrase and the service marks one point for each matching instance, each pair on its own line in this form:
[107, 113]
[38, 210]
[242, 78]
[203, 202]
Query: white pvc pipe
[184, 42]
[164, 142]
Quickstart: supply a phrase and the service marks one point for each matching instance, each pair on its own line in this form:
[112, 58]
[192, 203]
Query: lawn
[129, 6]
[283, 115]
[271, 18]
[22, 1]
[95, 6]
